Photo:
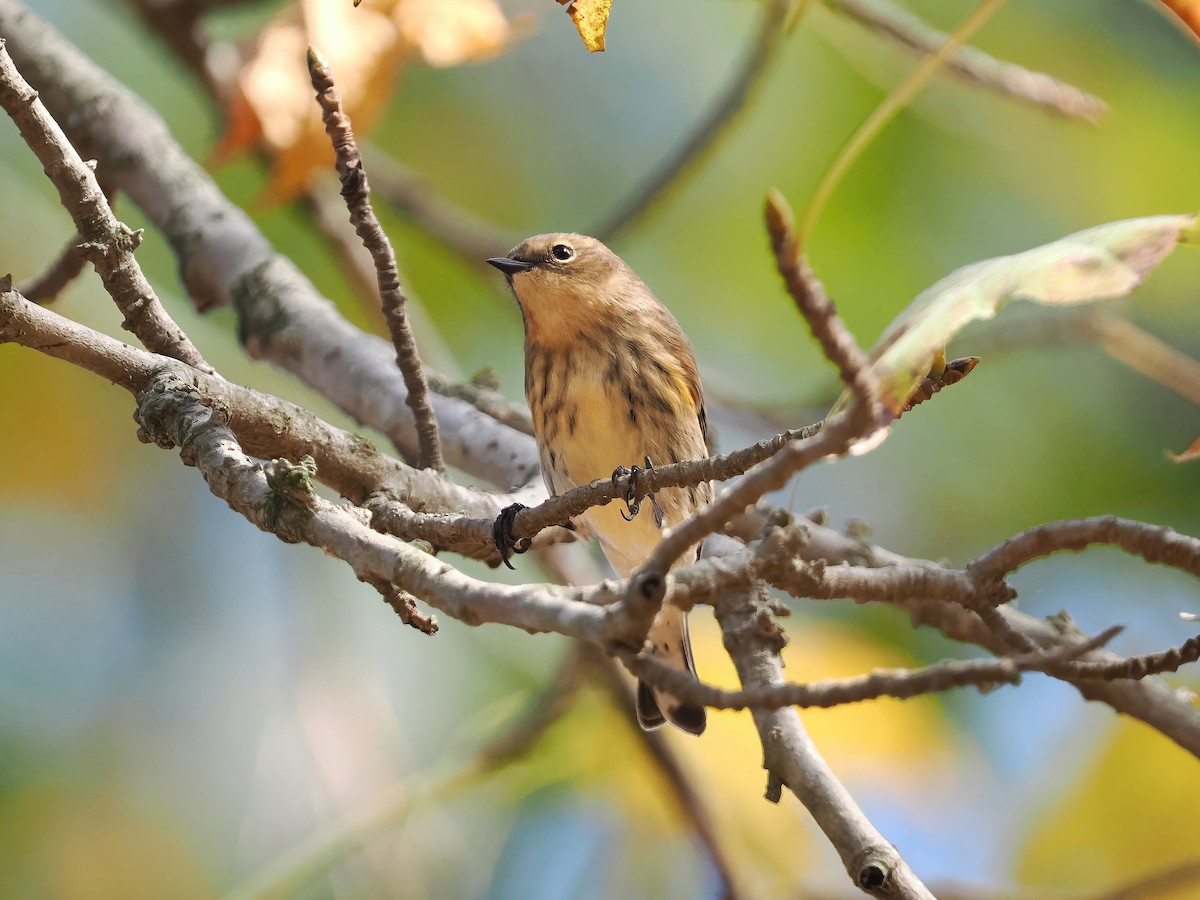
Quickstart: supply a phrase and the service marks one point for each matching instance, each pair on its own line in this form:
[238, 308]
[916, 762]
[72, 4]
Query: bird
[611, 378]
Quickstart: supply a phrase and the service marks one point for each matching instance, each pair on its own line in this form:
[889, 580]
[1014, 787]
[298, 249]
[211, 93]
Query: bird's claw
[632, 506]
[502, 534]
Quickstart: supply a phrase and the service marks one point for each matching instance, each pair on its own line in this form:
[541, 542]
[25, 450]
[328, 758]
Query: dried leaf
[591, 19]
[1100, 263]
[452, 32]
[367, 47]
[1191, 454]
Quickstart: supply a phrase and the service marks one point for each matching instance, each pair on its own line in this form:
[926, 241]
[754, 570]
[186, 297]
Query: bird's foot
[633, 506]
[502, 534]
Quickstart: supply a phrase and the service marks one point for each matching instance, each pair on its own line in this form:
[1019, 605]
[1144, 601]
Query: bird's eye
[562, 252]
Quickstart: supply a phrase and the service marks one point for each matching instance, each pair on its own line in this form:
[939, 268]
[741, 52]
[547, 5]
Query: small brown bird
[611, 380]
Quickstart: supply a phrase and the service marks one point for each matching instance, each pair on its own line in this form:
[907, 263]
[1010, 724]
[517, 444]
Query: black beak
[509, 266]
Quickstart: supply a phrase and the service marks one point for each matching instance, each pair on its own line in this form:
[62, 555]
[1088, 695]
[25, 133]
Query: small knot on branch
[872, 868]
[652, 586]
[293, 497]
[354, 181]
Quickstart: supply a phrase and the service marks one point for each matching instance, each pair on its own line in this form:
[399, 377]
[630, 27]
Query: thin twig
[1153, 543]
[405, 606]
[818, 310]
[707, 134]
[973, 65]
[1138, 667]
[898, 683]
[356, 192]
[328, 217]
[106, 242]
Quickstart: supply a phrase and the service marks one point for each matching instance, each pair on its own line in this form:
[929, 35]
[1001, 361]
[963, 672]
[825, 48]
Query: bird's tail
[669, 636]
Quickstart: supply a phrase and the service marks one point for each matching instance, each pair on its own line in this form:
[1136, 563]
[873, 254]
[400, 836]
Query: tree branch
[973, 65]
[899, 683]
[1153, 543]
[791, 758]
[106, 242]
[357, 193]
[225, 260]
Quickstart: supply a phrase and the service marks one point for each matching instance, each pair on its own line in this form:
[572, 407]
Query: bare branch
[171, 414]
[357, 193]
[1138, 667]
[1153, 543]
[1151, 699]
[854, 367]
[106, 242]
[791, 758]
[898, 683]
[973, 65]
[405, 606]
[224, 259]
[265, 426]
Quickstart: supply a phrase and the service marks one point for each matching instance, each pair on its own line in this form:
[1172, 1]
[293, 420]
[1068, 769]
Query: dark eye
[562, 252]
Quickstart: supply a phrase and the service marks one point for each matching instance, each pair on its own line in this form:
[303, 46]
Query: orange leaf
[273, 105]
[1186, 13]
[1191, 454]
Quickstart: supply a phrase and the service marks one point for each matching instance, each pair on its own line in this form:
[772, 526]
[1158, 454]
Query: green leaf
[1098, 264]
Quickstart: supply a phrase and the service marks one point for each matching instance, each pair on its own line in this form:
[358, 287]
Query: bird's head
[568, 283]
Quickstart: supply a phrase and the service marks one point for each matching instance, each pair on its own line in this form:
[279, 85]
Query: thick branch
[278, 498]
[224, 259]
[791, 758]
[265, 426]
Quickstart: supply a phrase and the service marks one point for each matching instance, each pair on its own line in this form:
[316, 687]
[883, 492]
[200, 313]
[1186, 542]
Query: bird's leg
[502, 534]
[632, 506]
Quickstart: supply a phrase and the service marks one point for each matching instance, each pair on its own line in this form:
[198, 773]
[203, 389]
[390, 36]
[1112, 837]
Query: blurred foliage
[183, 699]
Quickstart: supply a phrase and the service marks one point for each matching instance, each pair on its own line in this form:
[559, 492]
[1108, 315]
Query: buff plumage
[611, 379]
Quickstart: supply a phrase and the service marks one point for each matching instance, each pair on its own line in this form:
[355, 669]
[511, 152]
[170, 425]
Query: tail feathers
[669, 636]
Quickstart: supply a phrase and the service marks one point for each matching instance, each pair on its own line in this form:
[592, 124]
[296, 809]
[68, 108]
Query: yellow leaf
[591, 19]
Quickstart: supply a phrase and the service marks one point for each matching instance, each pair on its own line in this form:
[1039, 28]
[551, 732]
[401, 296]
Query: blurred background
[185, 701]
